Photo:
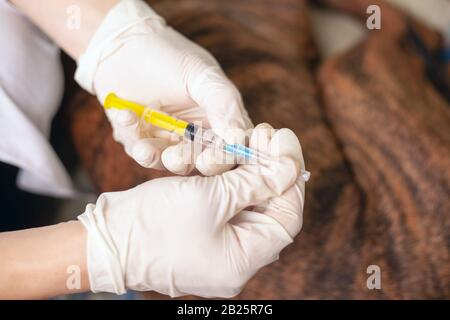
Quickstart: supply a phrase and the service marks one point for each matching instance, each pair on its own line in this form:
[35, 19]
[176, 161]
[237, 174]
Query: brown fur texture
[394, 129]
[378, 152]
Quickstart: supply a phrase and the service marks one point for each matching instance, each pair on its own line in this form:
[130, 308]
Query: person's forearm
[43, 262]
[54, 18]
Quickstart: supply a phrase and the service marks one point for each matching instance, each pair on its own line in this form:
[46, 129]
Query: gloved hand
[137, 56]
[198, 235]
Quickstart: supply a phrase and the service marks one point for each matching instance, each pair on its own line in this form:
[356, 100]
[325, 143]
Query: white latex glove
[198, 235]
[137, 56]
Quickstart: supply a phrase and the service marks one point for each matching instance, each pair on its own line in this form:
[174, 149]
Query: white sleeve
[31, 88]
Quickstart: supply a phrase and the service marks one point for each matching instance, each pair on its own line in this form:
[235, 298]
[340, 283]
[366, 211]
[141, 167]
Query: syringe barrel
[200, 135]
[207, 138]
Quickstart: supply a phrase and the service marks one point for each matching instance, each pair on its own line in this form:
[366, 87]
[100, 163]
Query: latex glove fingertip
[281, 174]
[261, 136]
[178, 159]
[212, 162]
[145, 154]
[122, 117]
[285, 143]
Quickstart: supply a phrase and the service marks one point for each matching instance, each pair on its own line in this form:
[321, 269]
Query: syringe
[188, 130]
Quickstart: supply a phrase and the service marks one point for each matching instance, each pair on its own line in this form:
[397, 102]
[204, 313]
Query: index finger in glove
[286, 208]
[138, 143]
[224, 107]
[265, 231]
[253, 184]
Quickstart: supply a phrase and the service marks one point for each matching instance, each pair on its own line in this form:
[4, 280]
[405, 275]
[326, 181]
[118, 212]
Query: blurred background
[371, 108]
